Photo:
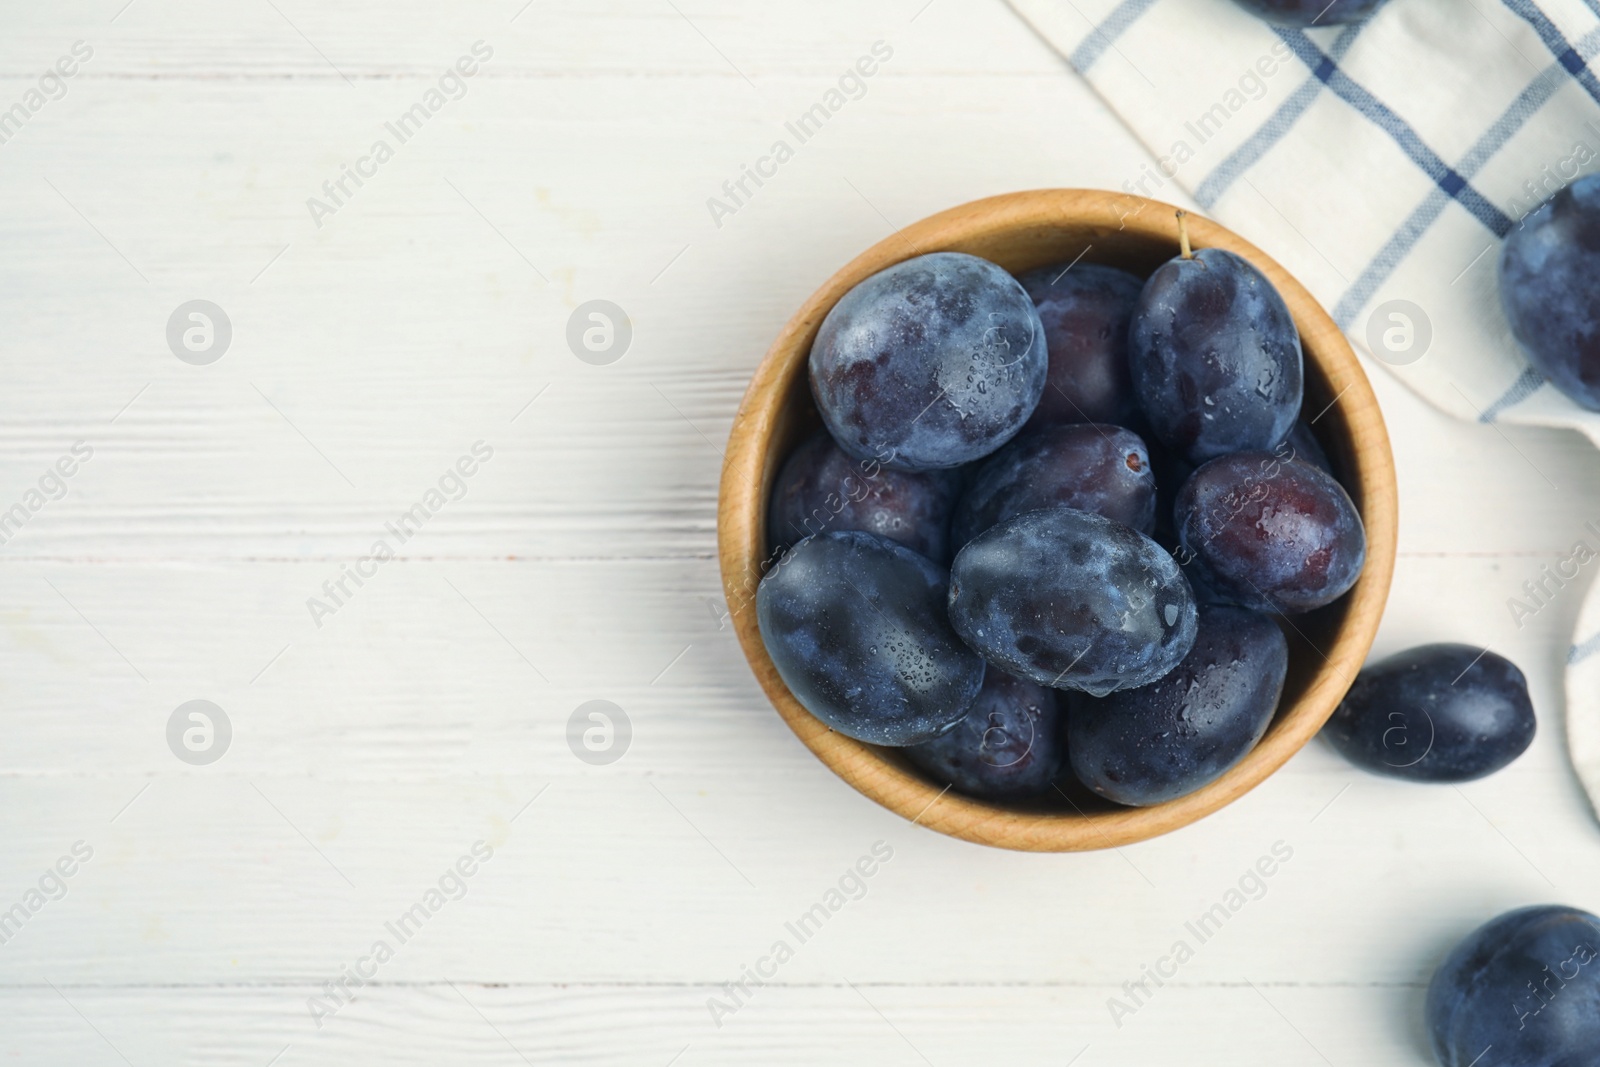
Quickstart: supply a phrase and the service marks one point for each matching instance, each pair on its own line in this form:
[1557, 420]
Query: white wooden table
[375, 743]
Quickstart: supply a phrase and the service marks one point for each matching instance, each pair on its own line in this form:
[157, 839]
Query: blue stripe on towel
[1271, 132]
[1400, 244]
[1527, 383]
[1378, 113]
[1100, 38]
[1583, 650]
[1554, 40]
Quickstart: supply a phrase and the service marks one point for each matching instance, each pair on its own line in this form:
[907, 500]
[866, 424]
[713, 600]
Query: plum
[1550, 289]
[1526, 985]
[855, 625]
[1103, 469]
[1215, 356]
[1085, 310]
[1157, 742]
[1435, 713]
[1072, 600]
[1303, 445]
[1304, 14]
[1008, 747]
[1269, 533]
[820, 488]
[929, 364]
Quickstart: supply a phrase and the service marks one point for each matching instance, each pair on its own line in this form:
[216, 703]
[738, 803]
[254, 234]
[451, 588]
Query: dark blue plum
[1103, 469]
[1172, 473]
[1085, 310]
[820, 488]
[929, 364]
[1215, 357]
[1160, 741]
[855, 624]
[1436, 713]
[1072, 600]
[1303, 445]
[1305, 14]
[1550, 288]
[1008, 747]
[1527, 986]
[1269, 533]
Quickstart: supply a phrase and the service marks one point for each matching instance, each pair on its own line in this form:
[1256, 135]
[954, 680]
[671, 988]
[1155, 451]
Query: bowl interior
[1022, 232]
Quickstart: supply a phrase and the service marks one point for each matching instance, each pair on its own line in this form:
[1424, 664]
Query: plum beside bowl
[1021, 231]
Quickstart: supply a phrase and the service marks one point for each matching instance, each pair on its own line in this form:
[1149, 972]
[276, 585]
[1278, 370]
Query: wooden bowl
[1021, 231]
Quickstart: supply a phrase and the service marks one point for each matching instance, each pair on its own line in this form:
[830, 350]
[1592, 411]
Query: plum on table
[820, 488]
[1103, 469]
[1435, 713]
[1007, 747]
[1072, 600]
[1160, 741]
[855, 625]
[1527, 985]
[929, 364]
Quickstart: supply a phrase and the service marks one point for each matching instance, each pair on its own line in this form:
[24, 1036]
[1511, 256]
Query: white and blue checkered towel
[1381, 164]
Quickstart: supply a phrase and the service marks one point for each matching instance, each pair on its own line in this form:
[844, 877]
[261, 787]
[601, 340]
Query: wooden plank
[570, 40]
[861, 1023]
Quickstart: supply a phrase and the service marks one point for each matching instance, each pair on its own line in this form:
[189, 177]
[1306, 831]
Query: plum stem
[1183, 235]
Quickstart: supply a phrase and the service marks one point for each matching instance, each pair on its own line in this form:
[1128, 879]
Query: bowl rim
[748, 470]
